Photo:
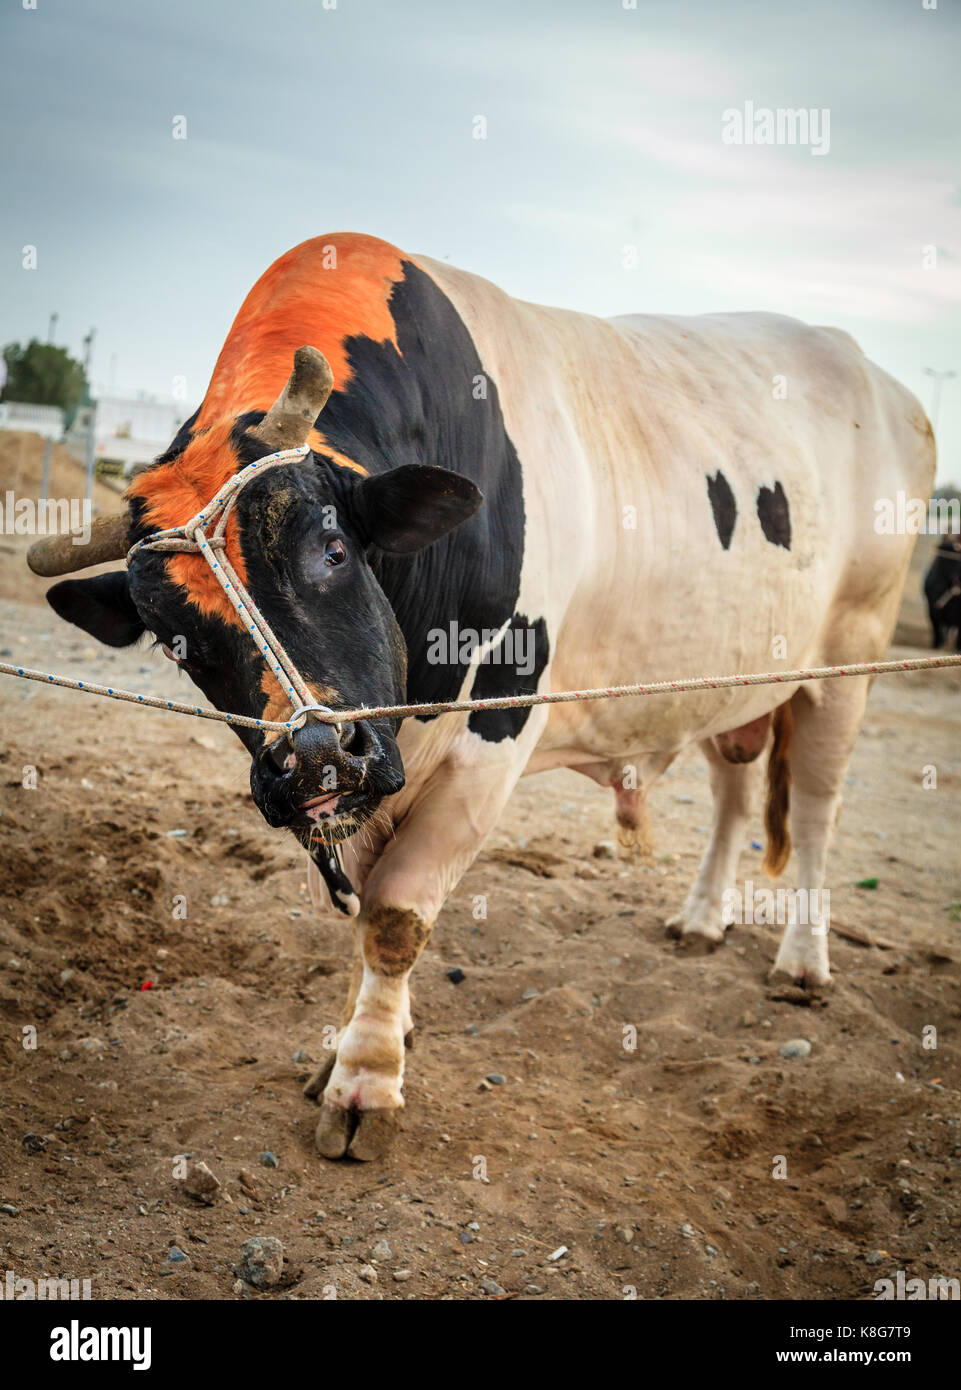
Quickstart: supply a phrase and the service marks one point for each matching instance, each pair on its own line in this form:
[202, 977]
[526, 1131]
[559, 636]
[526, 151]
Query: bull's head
[312, 538]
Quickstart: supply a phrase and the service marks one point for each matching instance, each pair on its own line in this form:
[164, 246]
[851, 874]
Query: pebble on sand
[796, 1047]
[201, 1183]
[262, 1262]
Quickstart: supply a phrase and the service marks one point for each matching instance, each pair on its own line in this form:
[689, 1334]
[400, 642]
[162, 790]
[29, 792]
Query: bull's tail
[778, 801]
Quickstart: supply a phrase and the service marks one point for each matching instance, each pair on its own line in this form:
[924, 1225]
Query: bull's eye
[335, 553]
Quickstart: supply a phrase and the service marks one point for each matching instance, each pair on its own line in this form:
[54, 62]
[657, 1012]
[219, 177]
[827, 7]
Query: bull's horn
[290, 419]
[59, 555]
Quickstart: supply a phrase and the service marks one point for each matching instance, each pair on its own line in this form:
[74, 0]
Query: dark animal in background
[942, 590]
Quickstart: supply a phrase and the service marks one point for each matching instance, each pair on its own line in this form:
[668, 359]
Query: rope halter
[193, 538]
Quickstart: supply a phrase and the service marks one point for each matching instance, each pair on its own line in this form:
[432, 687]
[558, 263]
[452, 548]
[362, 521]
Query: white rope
[555, 697]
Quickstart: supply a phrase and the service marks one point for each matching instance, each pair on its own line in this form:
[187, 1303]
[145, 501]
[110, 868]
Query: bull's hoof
[366, 1135]
[807, 978]
[697, 937]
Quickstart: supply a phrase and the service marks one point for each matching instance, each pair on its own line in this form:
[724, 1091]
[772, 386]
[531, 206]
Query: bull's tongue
[321, 805]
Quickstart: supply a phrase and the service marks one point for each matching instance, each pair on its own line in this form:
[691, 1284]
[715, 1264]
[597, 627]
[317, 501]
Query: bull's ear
[413, 506]
[101, 605]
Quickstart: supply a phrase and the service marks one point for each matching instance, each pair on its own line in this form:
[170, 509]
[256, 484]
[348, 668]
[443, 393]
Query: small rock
[465, 1237]
[176, 834]
[874, 1257]
[302, 1055]
[263, 1261]
[518, 1254]
[368, 1273]
[491, 1286]
[9, 1209]
[238, 1286]
[269, 1160]
[688, 1230]
[497, 1078]
[33, 1143]
[605, 849]
[401, 1276]
[484, 1086]
[176, 1255]
[201, 1183]
[556, 1255]
[529, 993]
[92, 1044]
[625, 1234]
[533, 1288]
[381, 1252]
[796, 1047]
[456, 976]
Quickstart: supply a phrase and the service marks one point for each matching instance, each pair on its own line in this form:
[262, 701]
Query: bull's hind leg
[826, 723]
[737, 788]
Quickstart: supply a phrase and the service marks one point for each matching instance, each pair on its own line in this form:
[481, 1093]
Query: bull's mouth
[333, 816]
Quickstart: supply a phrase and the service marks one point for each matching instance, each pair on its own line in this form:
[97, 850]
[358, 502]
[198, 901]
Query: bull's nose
[345, 742]
[317, 742]
[315, 749]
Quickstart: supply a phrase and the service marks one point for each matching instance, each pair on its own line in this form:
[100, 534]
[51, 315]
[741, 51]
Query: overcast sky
[604, 131]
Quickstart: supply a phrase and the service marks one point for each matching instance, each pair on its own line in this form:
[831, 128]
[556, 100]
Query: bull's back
[694, 489]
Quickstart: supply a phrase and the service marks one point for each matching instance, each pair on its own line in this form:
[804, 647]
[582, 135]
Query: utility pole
[91, 450]
[47, 454]
[88, 352]
[91, 417]
[54, 320]
[939, 377]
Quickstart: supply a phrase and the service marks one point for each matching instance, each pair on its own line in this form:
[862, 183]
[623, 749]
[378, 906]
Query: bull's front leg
[363, 1093]
[435, 843]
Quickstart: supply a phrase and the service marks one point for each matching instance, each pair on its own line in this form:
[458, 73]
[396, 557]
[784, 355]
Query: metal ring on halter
[296, 722]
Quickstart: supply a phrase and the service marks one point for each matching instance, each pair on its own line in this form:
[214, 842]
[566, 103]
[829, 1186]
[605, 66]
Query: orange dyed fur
[300, 299]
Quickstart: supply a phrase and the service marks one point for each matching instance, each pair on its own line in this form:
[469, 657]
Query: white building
[128, 430]
[46, 420]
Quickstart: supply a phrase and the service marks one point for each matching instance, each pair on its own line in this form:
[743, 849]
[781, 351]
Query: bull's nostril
[279, 756]
[348, 737]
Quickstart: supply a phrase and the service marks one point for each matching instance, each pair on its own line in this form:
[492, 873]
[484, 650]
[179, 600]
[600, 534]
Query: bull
[601, 500]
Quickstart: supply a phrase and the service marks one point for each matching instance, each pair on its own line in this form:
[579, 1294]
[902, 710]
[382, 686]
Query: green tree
[41, 374]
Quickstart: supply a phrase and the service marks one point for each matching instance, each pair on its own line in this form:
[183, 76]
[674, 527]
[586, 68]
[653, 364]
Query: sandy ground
[654, 1167]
